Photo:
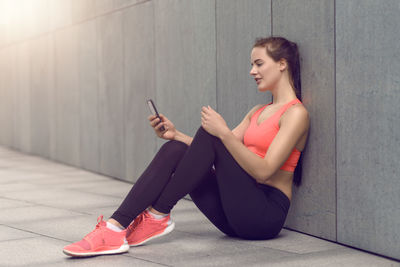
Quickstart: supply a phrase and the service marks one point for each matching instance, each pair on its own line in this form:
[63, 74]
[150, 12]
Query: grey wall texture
[74, 77]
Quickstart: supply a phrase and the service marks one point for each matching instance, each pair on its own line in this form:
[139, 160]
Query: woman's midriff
[282, 180]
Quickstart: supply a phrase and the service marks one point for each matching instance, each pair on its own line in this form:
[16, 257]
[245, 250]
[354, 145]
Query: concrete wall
[74, 77]
[311, 25]
[368, 125]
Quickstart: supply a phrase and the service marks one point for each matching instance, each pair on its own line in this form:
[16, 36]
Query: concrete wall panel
[138, 32]
[126, 3]
[42, 97]
[82, 10]
[23, 98]
[37, 17]
[10, 19]
[60, 13]
[185, 61]
[89, 96]
[311, 25]
[3, 99]
[10, 95]
[3, 118]
[86, 9]
[368, 125]
[67, 96]
[2, 29]
[103, 6]
[20, 20]
[7, 91]
[239, 23]
[111, 95]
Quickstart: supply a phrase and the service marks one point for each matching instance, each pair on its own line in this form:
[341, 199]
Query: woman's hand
[169, 131]
[213, 122]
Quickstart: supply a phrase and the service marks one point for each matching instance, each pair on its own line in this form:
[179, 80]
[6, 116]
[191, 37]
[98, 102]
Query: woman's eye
[259, 64]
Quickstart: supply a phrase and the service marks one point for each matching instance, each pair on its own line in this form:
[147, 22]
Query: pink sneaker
[145, 228]
[100, 241]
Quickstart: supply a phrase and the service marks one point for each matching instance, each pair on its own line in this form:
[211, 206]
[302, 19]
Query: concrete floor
[45, 206]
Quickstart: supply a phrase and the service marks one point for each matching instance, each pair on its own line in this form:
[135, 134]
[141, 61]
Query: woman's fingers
[151, 117]
[159, 126]
[154, 122]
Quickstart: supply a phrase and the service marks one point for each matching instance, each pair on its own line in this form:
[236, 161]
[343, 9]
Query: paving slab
[11, 175]
[30, 251]
[183, 249]
[10, 203]
[57, 182]
[343, 256]
[290, 241]
[18, 187]
[108, 187]
[71, 228]
[9, 233]
[188, 219]
[31, 214]
[104, 261]
[64, 199]
[105, 211]
[43, 166]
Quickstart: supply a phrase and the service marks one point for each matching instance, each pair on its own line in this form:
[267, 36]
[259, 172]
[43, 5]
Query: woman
[248, 193]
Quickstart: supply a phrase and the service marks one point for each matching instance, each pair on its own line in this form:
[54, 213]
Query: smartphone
[153, 111]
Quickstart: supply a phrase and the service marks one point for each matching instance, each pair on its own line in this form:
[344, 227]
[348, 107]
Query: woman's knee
[201, 130]
[202, 133]
[173, 148]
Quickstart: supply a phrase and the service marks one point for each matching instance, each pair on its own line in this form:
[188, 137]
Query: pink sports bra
[258, 138]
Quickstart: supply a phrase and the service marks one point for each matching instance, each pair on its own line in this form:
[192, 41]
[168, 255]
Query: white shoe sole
[165, 232]
[122, 249]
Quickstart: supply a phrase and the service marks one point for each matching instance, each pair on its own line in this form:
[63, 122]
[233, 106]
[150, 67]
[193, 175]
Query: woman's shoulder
[297, 112]
[257, 107]
[254, 109]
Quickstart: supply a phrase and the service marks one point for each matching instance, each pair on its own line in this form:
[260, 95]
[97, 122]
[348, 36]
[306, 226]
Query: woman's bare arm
[292, 129]
[238, 131]
[179, 136]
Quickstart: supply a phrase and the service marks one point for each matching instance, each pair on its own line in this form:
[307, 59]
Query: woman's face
[265, 70]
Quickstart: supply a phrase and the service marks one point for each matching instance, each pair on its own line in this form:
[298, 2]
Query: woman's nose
[252, 71]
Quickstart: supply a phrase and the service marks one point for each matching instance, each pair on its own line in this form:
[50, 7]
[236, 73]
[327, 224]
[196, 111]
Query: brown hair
[280, 48]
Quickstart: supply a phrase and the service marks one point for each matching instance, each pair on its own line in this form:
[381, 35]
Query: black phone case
[150, 102]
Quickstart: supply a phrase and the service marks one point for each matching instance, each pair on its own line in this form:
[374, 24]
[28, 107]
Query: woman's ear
[282, 64]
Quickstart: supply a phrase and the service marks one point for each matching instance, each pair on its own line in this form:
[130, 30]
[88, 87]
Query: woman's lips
[258, 80]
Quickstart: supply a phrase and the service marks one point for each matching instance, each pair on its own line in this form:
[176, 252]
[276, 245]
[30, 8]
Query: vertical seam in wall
[124, 116]
[29, 148]
[15, 139]
[271, 20]
[216, 56]
[31, 108]
[97, 40]
[54, 128]
[334, 81]
[154, 63]
[79, 86]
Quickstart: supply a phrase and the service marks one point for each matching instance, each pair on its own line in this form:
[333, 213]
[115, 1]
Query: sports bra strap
[286, 106]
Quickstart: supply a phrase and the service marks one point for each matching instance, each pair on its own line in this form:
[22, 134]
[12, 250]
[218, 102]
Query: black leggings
[228, 196]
